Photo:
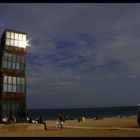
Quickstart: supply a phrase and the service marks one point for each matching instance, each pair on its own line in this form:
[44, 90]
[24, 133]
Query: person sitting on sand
[30, 120]
[60, 121]
[40, 121]
[27, 118]
[12, 119]
[4, 120]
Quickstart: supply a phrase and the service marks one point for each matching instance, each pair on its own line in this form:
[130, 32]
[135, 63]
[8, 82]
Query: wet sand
[108, 127]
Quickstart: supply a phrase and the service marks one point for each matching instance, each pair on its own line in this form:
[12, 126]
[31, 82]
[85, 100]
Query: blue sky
[80, 55]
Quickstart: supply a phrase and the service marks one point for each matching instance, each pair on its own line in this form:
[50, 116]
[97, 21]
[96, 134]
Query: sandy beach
[108, 127]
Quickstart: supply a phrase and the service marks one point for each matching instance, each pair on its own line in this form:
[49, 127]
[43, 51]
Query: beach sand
[108, 127]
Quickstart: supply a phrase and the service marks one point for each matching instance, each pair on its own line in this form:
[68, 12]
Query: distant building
[12, 74]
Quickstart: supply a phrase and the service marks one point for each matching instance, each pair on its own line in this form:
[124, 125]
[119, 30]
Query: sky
[80, 54]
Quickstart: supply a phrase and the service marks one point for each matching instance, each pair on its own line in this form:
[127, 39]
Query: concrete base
[20, 127]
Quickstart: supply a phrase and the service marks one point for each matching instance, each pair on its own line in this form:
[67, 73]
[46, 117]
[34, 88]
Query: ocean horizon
[74, 113]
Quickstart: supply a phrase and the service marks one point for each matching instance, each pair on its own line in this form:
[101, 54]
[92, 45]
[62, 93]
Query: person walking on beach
[60, 121]
[40, 121]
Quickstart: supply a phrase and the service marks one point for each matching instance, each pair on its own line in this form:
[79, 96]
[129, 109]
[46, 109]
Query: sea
[75, 113]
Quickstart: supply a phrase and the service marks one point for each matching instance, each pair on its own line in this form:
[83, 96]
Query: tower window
[16, 39]
[14, 84]
[13, 61]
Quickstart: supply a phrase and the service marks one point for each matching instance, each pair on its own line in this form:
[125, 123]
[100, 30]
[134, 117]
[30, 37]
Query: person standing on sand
[138, 119]
[60, 121]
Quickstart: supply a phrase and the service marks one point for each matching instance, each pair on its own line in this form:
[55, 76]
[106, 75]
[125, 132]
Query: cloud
[79, 52]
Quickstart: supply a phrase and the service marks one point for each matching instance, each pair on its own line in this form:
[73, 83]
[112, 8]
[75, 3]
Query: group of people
[59, 122]
[12, 120]
[37, 121]
[8, 120]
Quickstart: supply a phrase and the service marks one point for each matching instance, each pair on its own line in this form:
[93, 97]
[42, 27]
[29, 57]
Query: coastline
[108, 127]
